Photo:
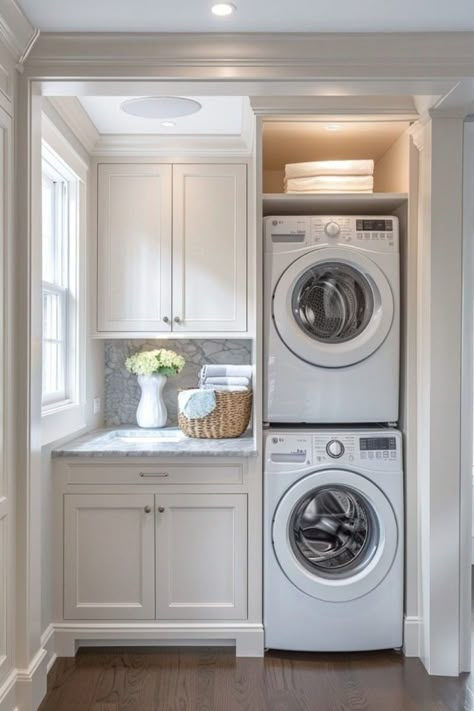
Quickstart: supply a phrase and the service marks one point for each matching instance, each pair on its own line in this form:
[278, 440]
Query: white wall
[92, 355]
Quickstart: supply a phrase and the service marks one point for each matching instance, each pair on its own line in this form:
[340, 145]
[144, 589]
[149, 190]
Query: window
[59, 260]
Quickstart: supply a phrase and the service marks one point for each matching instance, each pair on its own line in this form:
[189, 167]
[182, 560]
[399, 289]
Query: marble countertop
[166, 442]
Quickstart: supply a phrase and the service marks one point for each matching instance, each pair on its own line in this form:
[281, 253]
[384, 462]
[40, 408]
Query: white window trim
[65, 418]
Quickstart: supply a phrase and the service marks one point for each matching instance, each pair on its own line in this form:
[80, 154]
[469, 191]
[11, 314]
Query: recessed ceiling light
[333, 127]
[222, 9]
[160, 107]
[168, 124]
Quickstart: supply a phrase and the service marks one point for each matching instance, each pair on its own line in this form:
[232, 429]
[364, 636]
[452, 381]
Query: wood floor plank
[213, 679]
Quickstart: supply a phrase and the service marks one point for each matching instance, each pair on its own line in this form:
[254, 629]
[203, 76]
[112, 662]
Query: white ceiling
[251, 16]
[220, 115]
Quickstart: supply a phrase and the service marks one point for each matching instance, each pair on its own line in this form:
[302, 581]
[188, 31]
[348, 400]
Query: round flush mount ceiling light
[223, 9]
[168, 124]
[160, 107]
[333, 127]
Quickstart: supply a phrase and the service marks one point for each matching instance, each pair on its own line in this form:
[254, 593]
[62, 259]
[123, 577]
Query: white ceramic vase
[151, 411]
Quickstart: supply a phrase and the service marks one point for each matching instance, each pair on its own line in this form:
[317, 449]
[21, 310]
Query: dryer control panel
[376, 450]
[375, 233]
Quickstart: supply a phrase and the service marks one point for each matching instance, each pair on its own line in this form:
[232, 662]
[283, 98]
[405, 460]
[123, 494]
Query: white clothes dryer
[333, 540]
[332, 319]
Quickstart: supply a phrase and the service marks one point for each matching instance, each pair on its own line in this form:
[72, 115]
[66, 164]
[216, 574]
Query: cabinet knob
[166, 319]
[177, 319]
[147, 509]
[161, 509]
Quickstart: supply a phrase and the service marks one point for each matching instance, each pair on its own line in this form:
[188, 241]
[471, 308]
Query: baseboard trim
[248, 638]
[8, 693]
[48, 643]
[412, 635]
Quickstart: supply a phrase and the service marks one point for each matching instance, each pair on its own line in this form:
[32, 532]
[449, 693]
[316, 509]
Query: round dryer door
[335, 535]
[333, 308]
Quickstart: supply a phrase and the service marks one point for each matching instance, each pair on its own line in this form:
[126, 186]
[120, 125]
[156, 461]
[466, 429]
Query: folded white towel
[329, 167]
[333, 183]
[232, 380]
[226, 371]
[225, 388]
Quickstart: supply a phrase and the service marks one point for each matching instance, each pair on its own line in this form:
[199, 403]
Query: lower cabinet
[155, 556]
[201, 557]
[109, 546]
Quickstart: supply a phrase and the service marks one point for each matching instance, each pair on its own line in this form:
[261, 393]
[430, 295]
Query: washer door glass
[334, 531]
[332, 302]
[333, 307]
[335, 535]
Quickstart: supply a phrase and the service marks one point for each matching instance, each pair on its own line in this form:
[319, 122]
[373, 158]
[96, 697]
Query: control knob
[335, 449]
[332, 229]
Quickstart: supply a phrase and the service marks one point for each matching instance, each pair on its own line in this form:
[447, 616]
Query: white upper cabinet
[134, 248]
[172, 248]
[209, 248]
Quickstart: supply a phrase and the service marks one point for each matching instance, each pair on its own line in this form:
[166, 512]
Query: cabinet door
[209, 248]
[201, 557]
[109, 556]
[134, 248]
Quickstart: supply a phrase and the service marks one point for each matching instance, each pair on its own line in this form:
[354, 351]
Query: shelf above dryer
[340, 203]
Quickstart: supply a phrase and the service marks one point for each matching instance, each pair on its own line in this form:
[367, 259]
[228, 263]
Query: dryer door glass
[332, 302]
[334, 531]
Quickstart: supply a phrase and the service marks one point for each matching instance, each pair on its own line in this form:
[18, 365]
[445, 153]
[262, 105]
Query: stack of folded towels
[196, 403]
[226, 377]
[330, 176]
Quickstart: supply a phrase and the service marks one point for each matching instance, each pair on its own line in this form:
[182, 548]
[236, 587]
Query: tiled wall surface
[122, 392]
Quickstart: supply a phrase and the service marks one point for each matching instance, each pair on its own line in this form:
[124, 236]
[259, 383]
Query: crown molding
[74, 115]
[16, 31]
[296, 107]
[166, 146]
[256, 55]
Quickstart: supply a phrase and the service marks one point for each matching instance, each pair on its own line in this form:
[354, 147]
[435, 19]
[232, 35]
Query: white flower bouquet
[156, 362]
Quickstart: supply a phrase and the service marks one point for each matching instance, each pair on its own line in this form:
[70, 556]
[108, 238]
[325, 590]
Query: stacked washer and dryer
[333, 528]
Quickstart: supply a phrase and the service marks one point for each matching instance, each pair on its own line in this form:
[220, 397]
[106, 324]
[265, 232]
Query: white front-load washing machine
[333, 539]
[332, 319]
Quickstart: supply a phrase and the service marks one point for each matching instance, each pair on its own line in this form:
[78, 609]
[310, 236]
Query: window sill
[61, 420]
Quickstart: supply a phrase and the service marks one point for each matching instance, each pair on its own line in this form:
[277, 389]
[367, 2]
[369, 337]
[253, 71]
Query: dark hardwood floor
[212, 679]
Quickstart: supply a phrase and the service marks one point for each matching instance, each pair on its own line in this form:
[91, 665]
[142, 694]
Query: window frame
[64, 413]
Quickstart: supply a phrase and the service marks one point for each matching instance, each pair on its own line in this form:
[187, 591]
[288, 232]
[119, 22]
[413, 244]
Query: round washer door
[333, 308]
[335, 535]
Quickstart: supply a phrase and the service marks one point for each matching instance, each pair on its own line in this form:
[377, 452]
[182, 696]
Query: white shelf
[340, 204]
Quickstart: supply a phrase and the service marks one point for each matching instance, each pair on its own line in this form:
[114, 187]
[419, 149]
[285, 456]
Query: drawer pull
[147, 509]
[161, 475]
[161, 509]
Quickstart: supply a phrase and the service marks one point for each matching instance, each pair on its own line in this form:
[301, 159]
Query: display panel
[376, 443]
[374, 225]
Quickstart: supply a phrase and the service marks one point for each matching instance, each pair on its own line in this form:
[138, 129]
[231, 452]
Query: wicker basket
[230, 418]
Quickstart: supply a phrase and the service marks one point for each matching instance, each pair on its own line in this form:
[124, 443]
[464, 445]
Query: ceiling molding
[176, 146]
[16, 31]
[401, 107]
[74, 115]
[228, 56]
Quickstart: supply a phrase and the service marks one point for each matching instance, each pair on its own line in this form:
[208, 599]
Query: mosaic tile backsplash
[122, 392]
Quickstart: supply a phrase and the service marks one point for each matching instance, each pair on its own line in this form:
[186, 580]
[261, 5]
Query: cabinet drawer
[160, 473]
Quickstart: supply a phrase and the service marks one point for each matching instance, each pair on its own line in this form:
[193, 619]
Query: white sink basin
[132, 438]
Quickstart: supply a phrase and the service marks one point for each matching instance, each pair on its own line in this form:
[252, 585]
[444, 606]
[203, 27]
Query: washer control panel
[378, 234]
[378, 450]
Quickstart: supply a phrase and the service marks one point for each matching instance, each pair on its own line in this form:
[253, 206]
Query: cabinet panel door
[201, 557]
[134, 247]
[109, 556]
[210, 247]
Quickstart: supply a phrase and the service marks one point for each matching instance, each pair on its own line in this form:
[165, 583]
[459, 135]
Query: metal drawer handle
[161, 475]
[147, 509]
[161, 509]
[166, 319]
[177, 319]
